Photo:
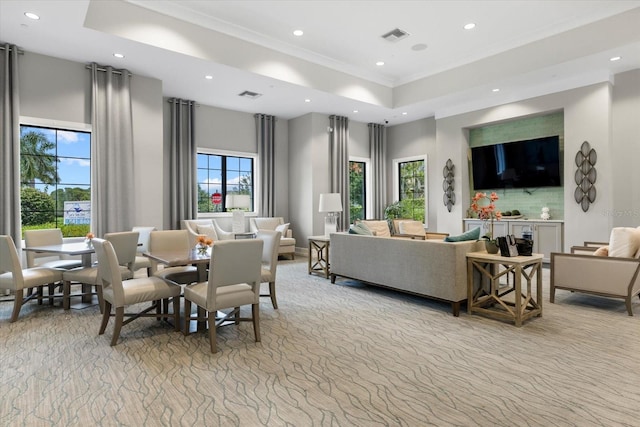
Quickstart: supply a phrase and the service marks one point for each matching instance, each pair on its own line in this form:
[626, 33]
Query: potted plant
[484, 206]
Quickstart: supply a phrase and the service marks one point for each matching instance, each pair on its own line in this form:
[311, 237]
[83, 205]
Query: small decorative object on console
[545, 214]
[486, 212]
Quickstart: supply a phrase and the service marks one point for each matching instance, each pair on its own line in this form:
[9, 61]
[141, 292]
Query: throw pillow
[360, 228]
[380, 228]
[601, 251]
[411, 227]
[208, 231]
[469, 235]
[624, 242]
[283, 228]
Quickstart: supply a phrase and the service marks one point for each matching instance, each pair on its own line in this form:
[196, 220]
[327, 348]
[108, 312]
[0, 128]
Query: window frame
[367, 184]
[396, 181]
[256, 180]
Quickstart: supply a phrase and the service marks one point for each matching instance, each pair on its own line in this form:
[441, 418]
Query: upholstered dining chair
[125, 245]
[234, 281]
[17, 279]
[172, 241]
[270, 249]
[143, 246]
[119, 293]
[49, 236]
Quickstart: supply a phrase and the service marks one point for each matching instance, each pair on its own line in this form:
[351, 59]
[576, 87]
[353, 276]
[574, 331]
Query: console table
[319, 245]
[500, 301]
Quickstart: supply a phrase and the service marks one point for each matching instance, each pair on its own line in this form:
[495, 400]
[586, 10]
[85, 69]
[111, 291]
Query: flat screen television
[521, 164]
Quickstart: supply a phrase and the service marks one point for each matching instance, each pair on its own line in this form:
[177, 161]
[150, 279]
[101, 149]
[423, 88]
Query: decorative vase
[202, 249]
[491, 246]
[89, 242]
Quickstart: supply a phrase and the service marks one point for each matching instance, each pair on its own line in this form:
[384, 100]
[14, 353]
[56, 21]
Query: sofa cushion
[473, 234]
[624, 242]
[411, 227]
[379, 228]
[360, 228]
[209, 231]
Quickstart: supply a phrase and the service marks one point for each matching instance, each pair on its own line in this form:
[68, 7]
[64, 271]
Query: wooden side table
[319, 263]
[507, 302]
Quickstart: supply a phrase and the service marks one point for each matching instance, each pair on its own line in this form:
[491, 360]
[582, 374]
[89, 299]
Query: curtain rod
[182, 102]
[20, 52]
[88, 66]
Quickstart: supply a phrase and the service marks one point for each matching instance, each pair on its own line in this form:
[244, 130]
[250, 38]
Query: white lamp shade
[238, 201]
[330, 202]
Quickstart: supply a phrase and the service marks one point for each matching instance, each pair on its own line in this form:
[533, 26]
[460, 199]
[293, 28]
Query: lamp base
[237, 225]
[330, 225]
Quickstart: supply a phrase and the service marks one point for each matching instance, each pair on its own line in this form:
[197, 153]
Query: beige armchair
[271, 241]
[287, 242]
[208, 227]
[612, 277]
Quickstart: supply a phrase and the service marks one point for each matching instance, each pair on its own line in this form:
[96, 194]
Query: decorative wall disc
[585, 176]
[449, 197]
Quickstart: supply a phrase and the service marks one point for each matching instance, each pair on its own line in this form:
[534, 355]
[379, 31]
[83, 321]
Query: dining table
[84, 249]
[173, 258]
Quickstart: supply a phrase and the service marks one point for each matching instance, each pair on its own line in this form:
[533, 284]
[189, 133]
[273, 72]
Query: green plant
[37, 207]
[394, 210]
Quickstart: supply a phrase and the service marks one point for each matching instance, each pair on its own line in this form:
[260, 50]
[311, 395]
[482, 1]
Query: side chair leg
[52, 289]
[212, 331]
[255, 315]
[176, 313]
[187, 317]
[17, 305]
[100, 298]
[105, 317]
[272, 293]
[118, 325]
[66, 295]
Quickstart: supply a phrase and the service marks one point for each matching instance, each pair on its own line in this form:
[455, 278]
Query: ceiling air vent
[250, 95]
[395, 35]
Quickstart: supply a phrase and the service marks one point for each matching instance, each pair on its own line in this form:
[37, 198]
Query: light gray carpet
[332, 355]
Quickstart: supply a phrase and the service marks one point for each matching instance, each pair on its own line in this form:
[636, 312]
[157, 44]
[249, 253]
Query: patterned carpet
[332, 355]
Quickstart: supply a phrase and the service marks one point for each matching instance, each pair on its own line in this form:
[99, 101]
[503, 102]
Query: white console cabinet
[547, 235]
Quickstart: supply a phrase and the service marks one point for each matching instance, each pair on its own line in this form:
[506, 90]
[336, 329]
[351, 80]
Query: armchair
[208, 227]
[287, 242]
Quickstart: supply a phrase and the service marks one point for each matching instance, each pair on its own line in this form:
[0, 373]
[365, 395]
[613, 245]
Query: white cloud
[67, 137]
[76, 162]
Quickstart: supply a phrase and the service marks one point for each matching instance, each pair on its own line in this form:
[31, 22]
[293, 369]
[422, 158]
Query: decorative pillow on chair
[283, 228]
[378, 228]
[414, 228]
[624, 242]
[601, 251]
[208, 231]
[469, 235]
[360, 228]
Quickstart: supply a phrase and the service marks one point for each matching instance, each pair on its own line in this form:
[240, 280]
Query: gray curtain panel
[112, 182]
[183, 193]
[265, 136]
[339, 165]
[378, 150]
[9, 144]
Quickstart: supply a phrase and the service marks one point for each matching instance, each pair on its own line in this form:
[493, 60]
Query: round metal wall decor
[449, 197]
[585, 176]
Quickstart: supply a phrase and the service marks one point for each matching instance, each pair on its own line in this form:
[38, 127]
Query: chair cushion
[208, 230]
[144, 289]
[33, 277]
[473, 234]
[181, 274]
[89, 275]
[227, 296]
[624, 242]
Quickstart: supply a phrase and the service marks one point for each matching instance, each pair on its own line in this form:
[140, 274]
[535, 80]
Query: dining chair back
[172, 241]
[45, 237]
[270, 250]
[119, 294]
[234, 281]
[143, 246]
[14, 278]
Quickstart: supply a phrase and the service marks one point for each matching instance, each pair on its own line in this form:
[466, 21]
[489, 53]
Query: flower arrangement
[485, 207]
[88, 239]
[203, 244]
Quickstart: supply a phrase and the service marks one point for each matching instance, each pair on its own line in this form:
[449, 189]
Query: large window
[55, 175]
[410, 187]
[358, 190]
[221, 175]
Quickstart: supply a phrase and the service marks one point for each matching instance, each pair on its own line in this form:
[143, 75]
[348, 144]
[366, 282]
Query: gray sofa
[430, 268]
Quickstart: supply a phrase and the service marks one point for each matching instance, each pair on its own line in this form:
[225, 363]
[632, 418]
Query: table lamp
[331, 204]
[237, 203]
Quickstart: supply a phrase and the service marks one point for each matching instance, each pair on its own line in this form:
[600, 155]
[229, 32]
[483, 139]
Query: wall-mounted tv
[521, 164]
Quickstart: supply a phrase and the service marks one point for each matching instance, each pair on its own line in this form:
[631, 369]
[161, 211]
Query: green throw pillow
[360, 228]
[469, 235]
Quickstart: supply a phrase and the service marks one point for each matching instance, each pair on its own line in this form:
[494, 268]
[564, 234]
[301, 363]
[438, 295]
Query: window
[410, 187]
[221, 175]
[358, 190]
[55, 176]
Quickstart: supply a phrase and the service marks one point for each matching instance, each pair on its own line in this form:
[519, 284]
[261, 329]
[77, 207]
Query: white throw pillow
[283, 228]
[624, 242]
[208, 231]
[415, 228]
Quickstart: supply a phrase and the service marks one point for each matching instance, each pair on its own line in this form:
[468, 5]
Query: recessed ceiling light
[208, 77]
[615, 58]
[419, 47]
[118, 55]
[355, 111]
[469, 26]
[307, 100]
[31, 15]
[298, 33]
[380, 63]
[404, 113]
[496, 90]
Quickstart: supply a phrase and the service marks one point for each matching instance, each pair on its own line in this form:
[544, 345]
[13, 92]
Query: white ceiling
[524, 48]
